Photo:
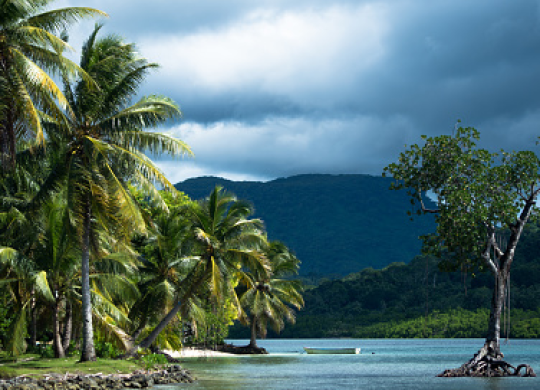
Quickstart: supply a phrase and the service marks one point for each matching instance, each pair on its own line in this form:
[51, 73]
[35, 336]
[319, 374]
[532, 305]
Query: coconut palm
[24, 282]
[56, 253]
[269, 297]
[161, 271]
[19, 274]
[104, 140]
[45, 267]
[29, 48]
[226, 241]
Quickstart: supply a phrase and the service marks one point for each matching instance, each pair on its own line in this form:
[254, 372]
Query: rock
[139, 379]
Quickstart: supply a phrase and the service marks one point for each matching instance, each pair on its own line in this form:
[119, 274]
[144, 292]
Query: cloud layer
[271, 89]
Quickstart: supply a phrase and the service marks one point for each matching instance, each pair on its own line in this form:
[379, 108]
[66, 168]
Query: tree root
[488, 367]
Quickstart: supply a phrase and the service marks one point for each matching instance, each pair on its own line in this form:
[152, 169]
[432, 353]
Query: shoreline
[139, 379]
[190, 352]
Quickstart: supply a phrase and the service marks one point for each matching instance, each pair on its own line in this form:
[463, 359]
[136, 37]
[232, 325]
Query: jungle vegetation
[93, 257]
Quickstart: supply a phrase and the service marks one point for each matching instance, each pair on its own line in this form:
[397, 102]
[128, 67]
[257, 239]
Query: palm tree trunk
[33, 321]
[165, 321]
[253, 339]
[68, 326]
[157, 330]
[88, 352]
[57, 339]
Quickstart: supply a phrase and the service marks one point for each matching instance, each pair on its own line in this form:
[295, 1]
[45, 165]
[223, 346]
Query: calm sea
[383, 364]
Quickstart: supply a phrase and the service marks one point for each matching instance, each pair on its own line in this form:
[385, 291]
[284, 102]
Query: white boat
[332, 351]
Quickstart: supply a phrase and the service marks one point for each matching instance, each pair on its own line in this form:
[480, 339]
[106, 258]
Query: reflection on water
[383, 364]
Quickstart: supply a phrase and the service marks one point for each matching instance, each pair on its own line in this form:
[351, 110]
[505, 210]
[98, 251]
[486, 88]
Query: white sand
[192, 352]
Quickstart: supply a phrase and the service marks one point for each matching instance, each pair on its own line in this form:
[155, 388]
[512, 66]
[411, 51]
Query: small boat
[333, 351]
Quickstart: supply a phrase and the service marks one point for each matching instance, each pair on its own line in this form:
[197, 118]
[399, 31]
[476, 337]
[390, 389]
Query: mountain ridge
[336, 224]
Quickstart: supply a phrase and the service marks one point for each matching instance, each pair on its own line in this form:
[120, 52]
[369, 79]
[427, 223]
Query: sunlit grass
[34, 366]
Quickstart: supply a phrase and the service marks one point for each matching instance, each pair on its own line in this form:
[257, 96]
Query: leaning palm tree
[29, 48]
[163, 251]
[226, 242]
[104, 141]
[271, 297]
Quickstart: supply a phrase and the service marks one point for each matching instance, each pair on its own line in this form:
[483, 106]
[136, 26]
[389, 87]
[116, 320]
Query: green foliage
[29, 49]
[107, 350]
[45, 351]
[5, 323]
[7, 373]
[153, 360]
[477, 193]
[213, 332]
[396, 299]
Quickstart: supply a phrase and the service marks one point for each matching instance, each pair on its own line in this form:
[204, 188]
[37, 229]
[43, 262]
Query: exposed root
[489, 367]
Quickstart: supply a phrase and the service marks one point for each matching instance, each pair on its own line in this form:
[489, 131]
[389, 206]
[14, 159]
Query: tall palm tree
[269, 297]
[104, 140]
[44, 267]
[29, 48]
[226, 241]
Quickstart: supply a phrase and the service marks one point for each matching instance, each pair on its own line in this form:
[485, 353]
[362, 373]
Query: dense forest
[336, 224]
[418, 300]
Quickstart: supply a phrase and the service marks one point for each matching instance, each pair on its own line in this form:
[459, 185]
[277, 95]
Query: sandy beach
[193, 352]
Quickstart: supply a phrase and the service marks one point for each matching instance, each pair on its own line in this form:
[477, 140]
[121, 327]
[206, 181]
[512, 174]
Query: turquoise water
[383, 364]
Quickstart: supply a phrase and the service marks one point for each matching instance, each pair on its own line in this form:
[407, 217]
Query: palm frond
[155, 143]
[15, 344]
[60, 19]
[42, 286]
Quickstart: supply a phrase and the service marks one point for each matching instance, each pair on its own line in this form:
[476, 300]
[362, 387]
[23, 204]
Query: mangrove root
[488, 366]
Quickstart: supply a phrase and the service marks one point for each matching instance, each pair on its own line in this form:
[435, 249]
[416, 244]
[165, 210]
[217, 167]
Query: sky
[275, 88]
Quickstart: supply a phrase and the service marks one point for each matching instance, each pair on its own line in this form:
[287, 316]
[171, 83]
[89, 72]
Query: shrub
[107, 350]
[154, 359]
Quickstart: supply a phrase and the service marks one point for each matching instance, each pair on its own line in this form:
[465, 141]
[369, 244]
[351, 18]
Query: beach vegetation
[95, 260]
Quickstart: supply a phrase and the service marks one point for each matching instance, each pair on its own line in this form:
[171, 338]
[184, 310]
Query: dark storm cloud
[334, 86]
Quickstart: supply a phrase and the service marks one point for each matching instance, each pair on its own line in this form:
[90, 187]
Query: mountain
[418, 300]
[336, 224]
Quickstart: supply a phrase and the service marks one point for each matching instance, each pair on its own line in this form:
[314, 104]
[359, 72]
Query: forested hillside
[336, 224]
[418, 300]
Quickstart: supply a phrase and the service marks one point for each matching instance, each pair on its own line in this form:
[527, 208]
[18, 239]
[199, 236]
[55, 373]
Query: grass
[36, 367]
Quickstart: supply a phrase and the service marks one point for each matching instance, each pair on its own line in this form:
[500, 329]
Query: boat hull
[332, 351]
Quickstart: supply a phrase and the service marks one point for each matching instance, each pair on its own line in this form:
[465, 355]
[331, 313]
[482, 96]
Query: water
[383, 364]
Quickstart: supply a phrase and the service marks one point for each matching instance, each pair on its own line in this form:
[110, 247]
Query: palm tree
[19, 274]
[56, 255]
[269, 297]
[29, 48]
[43, 266]
[164, 252]
[226, 241]
[104, 139]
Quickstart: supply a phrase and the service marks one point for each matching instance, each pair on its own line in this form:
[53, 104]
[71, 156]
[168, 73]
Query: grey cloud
[440, 61]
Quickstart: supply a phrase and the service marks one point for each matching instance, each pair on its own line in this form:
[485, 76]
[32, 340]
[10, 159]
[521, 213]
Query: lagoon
[396, 364]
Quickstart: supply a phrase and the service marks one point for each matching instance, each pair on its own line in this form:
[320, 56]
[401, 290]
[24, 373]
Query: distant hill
[336, 224]
[418, 300]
